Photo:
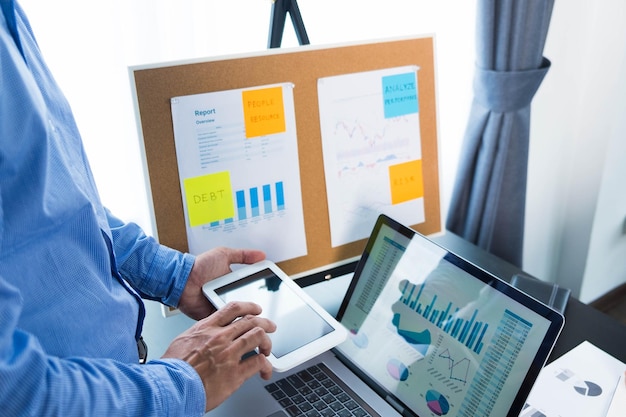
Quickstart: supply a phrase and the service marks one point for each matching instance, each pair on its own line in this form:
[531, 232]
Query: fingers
[215, 348]
[251, 333]
[248, 333]
[232, 311]
[243, 256]
[250, 256]
[244, 328]
[250, 340]
[256, 364]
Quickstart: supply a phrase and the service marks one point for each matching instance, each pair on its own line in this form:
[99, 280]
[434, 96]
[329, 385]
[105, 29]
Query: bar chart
[255, 202]
[445, 316]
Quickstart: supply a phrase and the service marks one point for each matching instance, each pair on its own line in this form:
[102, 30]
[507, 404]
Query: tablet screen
[297, 324]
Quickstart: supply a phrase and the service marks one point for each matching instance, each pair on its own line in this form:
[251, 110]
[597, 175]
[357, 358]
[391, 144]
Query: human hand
[210, 265]
[215, 346]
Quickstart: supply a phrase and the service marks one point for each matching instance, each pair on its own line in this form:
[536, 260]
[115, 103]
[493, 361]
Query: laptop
[430, 335]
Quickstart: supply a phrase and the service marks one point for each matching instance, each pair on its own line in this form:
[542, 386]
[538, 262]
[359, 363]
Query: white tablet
[303, 328]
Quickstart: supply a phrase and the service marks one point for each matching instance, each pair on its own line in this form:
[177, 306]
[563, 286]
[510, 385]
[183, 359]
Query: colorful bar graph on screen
[470, 332]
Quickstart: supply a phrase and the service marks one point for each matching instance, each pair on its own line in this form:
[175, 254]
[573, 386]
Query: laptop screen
[438, 335]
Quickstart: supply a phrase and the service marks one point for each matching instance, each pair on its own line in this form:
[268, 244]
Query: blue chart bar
[280, 196]
[469, 332]
[271, 201]
[267, 199]
[254, 201]
[248, 202]
[241, 205]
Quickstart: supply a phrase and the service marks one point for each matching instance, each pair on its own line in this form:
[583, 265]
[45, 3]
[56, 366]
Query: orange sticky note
[209, 198]
[264, 111]
[406, 181]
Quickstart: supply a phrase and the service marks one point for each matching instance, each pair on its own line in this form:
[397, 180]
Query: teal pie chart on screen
[397, 370]
[437, 403]
[359, 339]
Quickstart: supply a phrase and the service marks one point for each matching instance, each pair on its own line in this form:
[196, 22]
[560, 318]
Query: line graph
[459, 369]
[369, 134]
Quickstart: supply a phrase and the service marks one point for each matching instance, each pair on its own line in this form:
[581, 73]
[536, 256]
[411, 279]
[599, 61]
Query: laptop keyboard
[316, 391]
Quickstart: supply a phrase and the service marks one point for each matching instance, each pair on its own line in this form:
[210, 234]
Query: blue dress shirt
[71, 274]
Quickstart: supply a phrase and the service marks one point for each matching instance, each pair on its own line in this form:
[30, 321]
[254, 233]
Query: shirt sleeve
[155, 270]
[34, 383]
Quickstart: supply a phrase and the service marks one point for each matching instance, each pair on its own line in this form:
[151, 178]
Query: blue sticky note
[400, 94]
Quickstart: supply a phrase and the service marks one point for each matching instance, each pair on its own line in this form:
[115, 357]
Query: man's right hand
[215, 346]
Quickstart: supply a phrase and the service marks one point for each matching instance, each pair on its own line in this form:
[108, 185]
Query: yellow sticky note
[264, 112]
[209, 198]
[406, 181]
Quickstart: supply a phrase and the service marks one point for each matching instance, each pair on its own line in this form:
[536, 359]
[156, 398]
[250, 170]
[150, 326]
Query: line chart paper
[372, 150]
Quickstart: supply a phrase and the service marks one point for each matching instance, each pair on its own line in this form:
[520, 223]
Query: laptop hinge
[394, 404]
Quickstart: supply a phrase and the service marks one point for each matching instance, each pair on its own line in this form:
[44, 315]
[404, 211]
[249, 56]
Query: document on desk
[618, 404]
[370, 126]
[585, 382]
[239, 172]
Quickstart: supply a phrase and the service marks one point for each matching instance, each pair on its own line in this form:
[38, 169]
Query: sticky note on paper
[400, 95]
[209, 198]
[263, 111]
[406, 181]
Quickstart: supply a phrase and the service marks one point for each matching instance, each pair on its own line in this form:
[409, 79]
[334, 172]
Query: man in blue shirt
[72, 275]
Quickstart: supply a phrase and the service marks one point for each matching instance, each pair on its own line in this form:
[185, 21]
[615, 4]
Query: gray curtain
[488, 201]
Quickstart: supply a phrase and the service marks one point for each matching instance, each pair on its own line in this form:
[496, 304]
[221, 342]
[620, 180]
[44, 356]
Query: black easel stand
[277, 23]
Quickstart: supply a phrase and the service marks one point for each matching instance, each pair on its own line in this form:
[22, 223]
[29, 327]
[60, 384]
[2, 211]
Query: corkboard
[155, 85]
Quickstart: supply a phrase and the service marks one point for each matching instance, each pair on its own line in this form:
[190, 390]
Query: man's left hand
[210, 265]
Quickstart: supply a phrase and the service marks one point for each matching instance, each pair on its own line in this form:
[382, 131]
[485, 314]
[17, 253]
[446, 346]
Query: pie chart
[359, 339]
[437, 403]
[397, 370]
[588, 388]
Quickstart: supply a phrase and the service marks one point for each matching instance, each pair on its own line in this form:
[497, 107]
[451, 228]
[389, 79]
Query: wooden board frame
[154, 85]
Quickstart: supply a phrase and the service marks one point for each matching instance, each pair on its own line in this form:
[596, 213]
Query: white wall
[576, 202]
[606, 262]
